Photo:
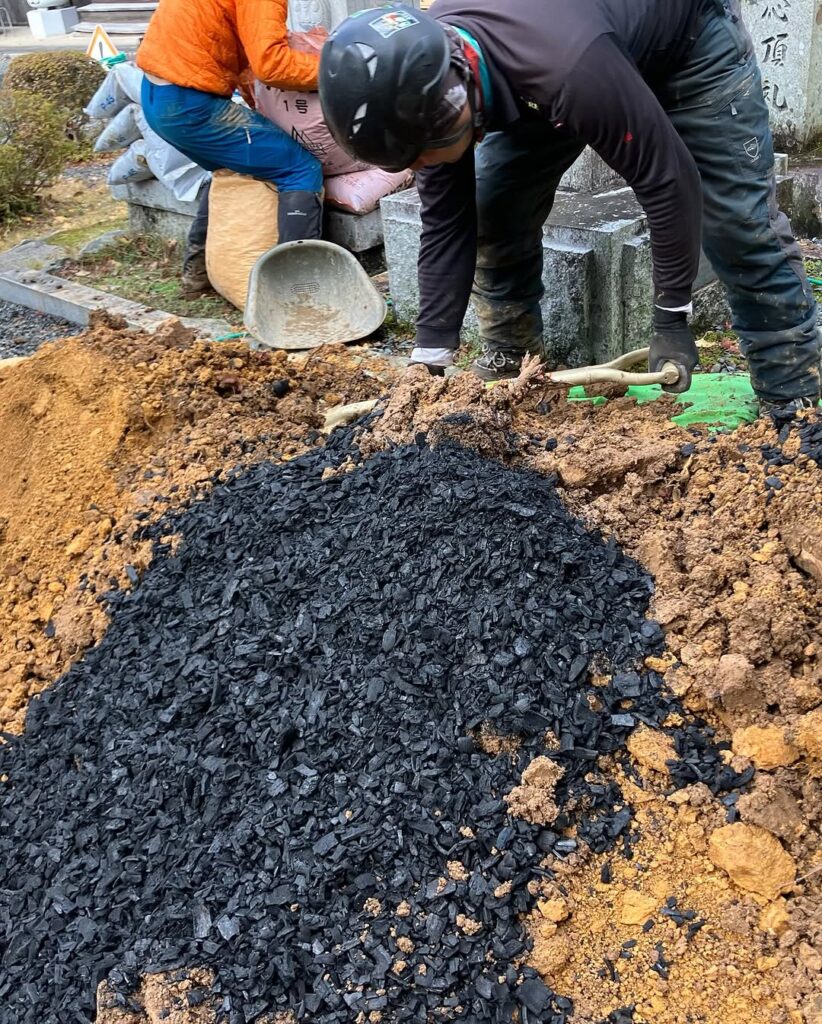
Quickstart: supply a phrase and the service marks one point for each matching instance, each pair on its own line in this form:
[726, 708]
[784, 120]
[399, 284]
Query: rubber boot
[194, 278]
[300, 216]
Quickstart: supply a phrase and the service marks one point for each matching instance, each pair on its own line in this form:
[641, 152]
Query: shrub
[33, 150]
[67, 78]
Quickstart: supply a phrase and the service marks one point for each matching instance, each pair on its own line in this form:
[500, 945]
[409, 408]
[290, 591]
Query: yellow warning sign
[101, 47]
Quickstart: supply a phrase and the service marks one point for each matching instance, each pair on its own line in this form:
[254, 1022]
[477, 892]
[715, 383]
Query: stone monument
[787, 35]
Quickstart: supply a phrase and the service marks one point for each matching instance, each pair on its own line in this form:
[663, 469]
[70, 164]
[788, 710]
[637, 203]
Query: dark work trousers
[194, 254]
[716, 104]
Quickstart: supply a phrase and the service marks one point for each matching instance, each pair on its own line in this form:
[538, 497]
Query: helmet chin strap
[480, 95]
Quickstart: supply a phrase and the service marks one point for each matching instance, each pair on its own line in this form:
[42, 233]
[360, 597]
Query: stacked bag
[350, 185]
[146, 155]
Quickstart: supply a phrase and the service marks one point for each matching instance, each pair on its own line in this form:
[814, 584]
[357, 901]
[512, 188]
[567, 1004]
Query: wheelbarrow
[614, 372]
[309, 293]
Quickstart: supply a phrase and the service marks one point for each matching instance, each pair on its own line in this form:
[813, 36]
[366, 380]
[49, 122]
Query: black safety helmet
[383, 75]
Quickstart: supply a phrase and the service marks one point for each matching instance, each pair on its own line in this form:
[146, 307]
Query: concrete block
[52, 22]
[589, 173]
[352, 232]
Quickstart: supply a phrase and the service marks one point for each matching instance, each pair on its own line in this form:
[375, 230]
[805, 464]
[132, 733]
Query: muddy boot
[299, 216]
[497, 363]
[783, 411]
[194, 281]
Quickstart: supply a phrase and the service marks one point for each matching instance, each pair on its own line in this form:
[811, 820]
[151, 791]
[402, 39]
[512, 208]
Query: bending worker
[193, 55]
[668, 93]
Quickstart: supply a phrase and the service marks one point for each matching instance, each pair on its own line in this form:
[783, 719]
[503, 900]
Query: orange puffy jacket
[208, 44]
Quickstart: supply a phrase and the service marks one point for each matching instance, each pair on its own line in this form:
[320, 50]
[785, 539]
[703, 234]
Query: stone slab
[806, 200]
[355, 233]
[154, 194]
[589, 173]
[568, 275]
[74, 302]
[597, 275]
[36, 254]
[153, 210]
[602, 223]
[305, 14]
[148, 220]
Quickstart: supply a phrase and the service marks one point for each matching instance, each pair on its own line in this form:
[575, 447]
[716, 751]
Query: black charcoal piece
[534, 995]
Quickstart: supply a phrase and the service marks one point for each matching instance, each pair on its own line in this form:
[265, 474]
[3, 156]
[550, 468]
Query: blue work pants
[218, 134]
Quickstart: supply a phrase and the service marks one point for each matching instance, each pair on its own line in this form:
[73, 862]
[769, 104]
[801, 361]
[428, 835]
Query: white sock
[433, 356]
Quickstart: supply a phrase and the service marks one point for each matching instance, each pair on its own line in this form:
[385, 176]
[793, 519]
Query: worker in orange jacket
[195, 54]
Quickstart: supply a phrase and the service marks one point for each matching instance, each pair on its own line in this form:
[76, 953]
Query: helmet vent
[369, 55]
[359, 117]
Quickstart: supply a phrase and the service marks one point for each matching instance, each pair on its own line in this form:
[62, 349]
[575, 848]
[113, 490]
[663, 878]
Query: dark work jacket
[587, 67]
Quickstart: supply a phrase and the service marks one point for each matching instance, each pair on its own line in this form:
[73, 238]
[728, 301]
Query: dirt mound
[109, 428]
[729, 525]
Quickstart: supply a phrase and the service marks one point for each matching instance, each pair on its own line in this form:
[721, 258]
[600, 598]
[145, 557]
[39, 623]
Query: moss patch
[73, 239]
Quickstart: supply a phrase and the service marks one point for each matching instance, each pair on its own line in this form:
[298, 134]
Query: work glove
[673, 342]
[437, 360]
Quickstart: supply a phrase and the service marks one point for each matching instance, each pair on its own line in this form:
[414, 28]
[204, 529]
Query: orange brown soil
[109, 428]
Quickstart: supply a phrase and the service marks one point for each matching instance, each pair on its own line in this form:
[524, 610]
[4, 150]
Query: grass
[146, 269]
[74, 208]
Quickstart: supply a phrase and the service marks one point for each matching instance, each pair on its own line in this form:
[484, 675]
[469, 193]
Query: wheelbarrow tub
[309, 293]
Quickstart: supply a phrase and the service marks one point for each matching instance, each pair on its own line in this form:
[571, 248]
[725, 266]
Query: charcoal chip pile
[269, 765]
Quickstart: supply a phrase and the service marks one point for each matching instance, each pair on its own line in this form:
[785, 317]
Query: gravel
[23, 331]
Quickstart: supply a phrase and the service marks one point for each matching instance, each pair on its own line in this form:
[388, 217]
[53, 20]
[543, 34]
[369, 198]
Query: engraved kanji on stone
[776, 49]
[777, 9]
[772, 94]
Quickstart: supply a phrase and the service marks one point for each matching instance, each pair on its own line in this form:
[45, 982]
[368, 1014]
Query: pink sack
[361, 191]
[300, 114]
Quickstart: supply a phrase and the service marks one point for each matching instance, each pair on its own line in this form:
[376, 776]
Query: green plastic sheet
[723, 401]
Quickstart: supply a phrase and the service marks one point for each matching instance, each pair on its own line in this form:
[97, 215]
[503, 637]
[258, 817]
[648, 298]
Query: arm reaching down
[448, 250]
